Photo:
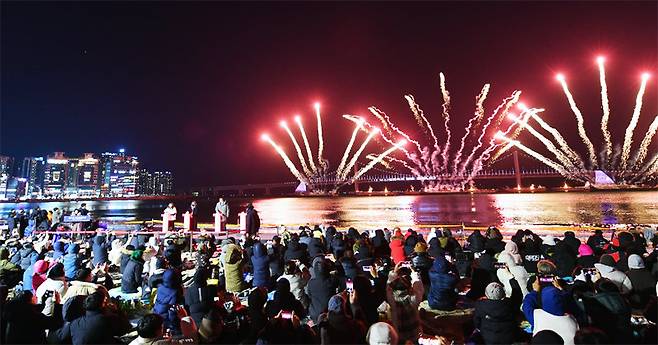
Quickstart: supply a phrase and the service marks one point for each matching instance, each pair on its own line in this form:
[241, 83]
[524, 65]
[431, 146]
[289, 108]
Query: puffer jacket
[442, 295]
[99, 249]
[397, 249]
[260, 262]
[296, 251]
[169, 294]
[131, 279]
[315, 247]
[25, 257]
[496, 320]
[476, 241]
[72, 261]
[233, 269]
[59, 250]
[380, 245]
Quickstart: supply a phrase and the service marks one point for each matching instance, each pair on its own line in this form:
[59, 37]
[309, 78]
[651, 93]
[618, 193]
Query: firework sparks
[628, 137]
[298, 119]
[378, 159]
[300, 155]
[358, 153]
[321, 160]
[348, 149]
[579, 120]
[605, 105]
[285, 158]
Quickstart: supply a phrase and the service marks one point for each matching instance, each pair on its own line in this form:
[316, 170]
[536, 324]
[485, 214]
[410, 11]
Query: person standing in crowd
[194, 212]
[57, 216]
[222, 208]
[170, 212]
[253, 221]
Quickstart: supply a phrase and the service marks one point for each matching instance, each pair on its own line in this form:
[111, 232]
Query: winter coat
[644, 287]
[260, 262]
[72, 261]
[380, 245]
[404, 309]
[341, 329]
[99, 249]
[564, 259]
[296, 251]
[397, 250]
[284, 300]
[131, 279]
[350, 267]
[565, 326]
[297, 286]
[39, 276]
[25, 257]
[610, 312]
[10, 274]
[93, 328]
[173, 255]
[586, 261]
[496, 320]
[51, 285]
[169, 294]
[315, 247]
[513, 271]
[476, 241]
[320, 288]
[25, 324]
[554, 301]
[253, 221]
[495, 244]
[442, 295]
[200, 297]
[233, 269]
[617, 277]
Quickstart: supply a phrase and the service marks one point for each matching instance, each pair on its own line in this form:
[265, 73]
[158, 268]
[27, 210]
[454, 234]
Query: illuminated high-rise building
[118, 174]
[163, 183]
[32, 171]
[86, 175]
[55, 174]
[6, 165]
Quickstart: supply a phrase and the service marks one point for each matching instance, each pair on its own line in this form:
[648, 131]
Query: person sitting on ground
[606, 268]
[336, 327]
[382, 333]
[260, 263]
[297, 282]
[10, 273]
[495, 316]
[150, 331]
[169, 294]
[494, 240]
[608, 310]
[586, 258]
[100, 324]
[55, 282]
[131, 279]
[233, 269]
[81, 287]
[442, 295]
[200, 297]
[25, 323]
[512, 270]
[643, 282]
[25, 257]
[476, 241]
[72, 261]
[59, 250]
[422, 263]
[404, 296]
[284, 300]
[100, 249]
[39, 276]
[320, 288]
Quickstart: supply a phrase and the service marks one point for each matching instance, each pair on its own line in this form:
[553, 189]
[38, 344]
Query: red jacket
[397, 250]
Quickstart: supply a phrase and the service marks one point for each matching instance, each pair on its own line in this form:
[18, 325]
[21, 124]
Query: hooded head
[440, 264]
[59, 246]
[259, 250]
[495, 291]
[336, 304]
[99, 239]
[635, 262]
[381, 333]
[56, 271]
[74, 248]
[607, 260]
[585, 250]
[41, 267]
[420, 247]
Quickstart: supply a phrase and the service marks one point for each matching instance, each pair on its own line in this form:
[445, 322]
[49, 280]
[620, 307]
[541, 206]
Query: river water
[368, 212]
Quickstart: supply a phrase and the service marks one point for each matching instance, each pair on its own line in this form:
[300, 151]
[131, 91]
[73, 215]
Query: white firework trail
[581, 122]
[286, 160]
[506, 104]
[420, 117]
[525, 116]
[628, 137]
[383, 162]
[564, 146]
[357, 154]
[644, 146]
[300, 155]
[534, 154]
[308, 147]
[321, 160]
[357, 127]
[564, 160]
[446, 118]
[386, 121]
[377, 160]
[605, 105]
[479, 112]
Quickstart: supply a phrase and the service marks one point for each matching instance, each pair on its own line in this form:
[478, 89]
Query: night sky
[191, 86]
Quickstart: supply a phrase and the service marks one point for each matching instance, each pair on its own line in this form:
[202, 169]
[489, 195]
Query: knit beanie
[420, 247]
[607, 260]
[495, 291]
[585, 250]
[381, 333]
[635, 262]
[336, 304]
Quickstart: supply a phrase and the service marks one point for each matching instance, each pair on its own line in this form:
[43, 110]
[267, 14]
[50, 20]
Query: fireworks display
[616, 162]
[318, 178]
[434, 163]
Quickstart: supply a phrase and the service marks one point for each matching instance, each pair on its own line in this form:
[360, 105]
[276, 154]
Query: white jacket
[51, 285]
[565, 325]
[618, 277]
